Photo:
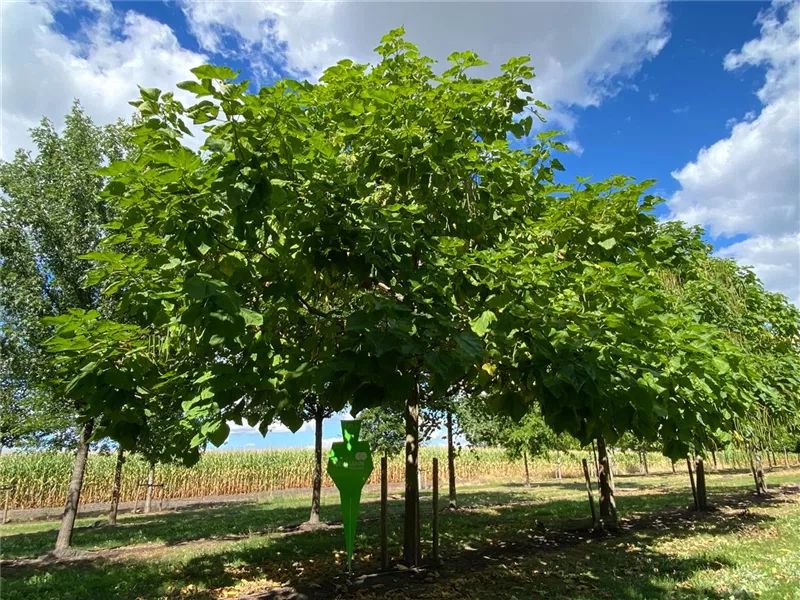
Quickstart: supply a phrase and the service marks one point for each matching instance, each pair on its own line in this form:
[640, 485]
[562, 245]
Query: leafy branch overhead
[353, 237]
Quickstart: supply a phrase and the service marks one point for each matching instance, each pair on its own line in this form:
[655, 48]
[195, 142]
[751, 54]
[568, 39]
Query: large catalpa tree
[588, 329]
[764, 328]
[327, 239]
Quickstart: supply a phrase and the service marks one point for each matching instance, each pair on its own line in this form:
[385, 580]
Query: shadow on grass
[223, 523]
[539, 549]
[243, 520]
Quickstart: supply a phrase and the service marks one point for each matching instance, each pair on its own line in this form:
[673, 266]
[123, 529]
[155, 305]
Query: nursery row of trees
[389, 238]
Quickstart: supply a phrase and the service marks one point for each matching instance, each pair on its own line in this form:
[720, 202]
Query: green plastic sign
[350, 465]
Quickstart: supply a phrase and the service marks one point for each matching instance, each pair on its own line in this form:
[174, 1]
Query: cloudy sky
[704, 97]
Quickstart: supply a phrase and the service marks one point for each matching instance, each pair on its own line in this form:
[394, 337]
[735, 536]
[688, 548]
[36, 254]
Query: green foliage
[329, 236]
[384, 428]
[354, 238]
[50, 216]
[484, 426]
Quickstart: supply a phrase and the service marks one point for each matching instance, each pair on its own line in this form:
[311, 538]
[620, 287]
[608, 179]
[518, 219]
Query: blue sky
[702, 96]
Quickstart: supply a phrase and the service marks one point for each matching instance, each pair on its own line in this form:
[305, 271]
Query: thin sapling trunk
[316, 484]
[115, 493]
[410, 525]
[148, 499]
[451, 462]
[64, 539]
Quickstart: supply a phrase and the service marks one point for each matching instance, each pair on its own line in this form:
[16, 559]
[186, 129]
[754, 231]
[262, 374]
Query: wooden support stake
[7, 490]
[435, 524]
[589, 491]
[148, 499]
[136, 504]
[691, 478]
[384, 500]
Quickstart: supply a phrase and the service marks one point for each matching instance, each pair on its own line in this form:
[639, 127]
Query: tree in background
[764, 329]
[52, 214]
[587, 328]
[384, 428]
[316, 411]
[528, 437]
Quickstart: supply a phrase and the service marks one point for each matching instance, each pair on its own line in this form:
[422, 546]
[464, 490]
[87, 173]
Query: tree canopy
[50, 217]
[376, 239]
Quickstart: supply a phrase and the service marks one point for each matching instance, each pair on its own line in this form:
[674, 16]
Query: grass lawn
[507, 541]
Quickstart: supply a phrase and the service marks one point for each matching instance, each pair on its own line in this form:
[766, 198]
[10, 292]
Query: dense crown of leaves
[49, 217]
[352, 238]
[324, 239]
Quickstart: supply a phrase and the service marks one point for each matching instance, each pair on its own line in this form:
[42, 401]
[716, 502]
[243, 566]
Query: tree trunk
[112, 514]
[644, 463]
[151, 479]
[411, 512]
[608, 507]
[769, 459]
[451, 461]
[527, 471]
[316, 483]
[786, 458]
[673, 466]
[700, 475]
[596, 464]
[64, 539]
[714, 459]
[755, 475]
[762, 484]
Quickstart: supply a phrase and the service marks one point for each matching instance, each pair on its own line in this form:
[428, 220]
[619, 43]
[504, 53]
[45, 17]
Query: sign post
[349, 466]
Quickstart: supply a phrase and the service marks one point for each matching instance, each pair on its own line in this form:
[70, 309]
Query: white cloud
[652, 97]
[749, 182]
[458, 440]
[775, 259]
[43, 70]
[680, 110]
[575, 147]
[246, 429]
[580, 51]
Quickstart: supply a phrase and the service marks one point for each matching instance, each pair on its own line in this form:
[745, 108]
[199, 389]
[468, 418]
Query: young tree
[587, 328]
[118, 378]
[764, 329]
[51, 215]
[315, 410]
[528, 437]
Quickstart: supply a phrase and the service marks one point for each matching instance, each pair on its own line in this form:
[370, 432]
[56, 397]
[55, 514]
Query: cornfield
[40, 478]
